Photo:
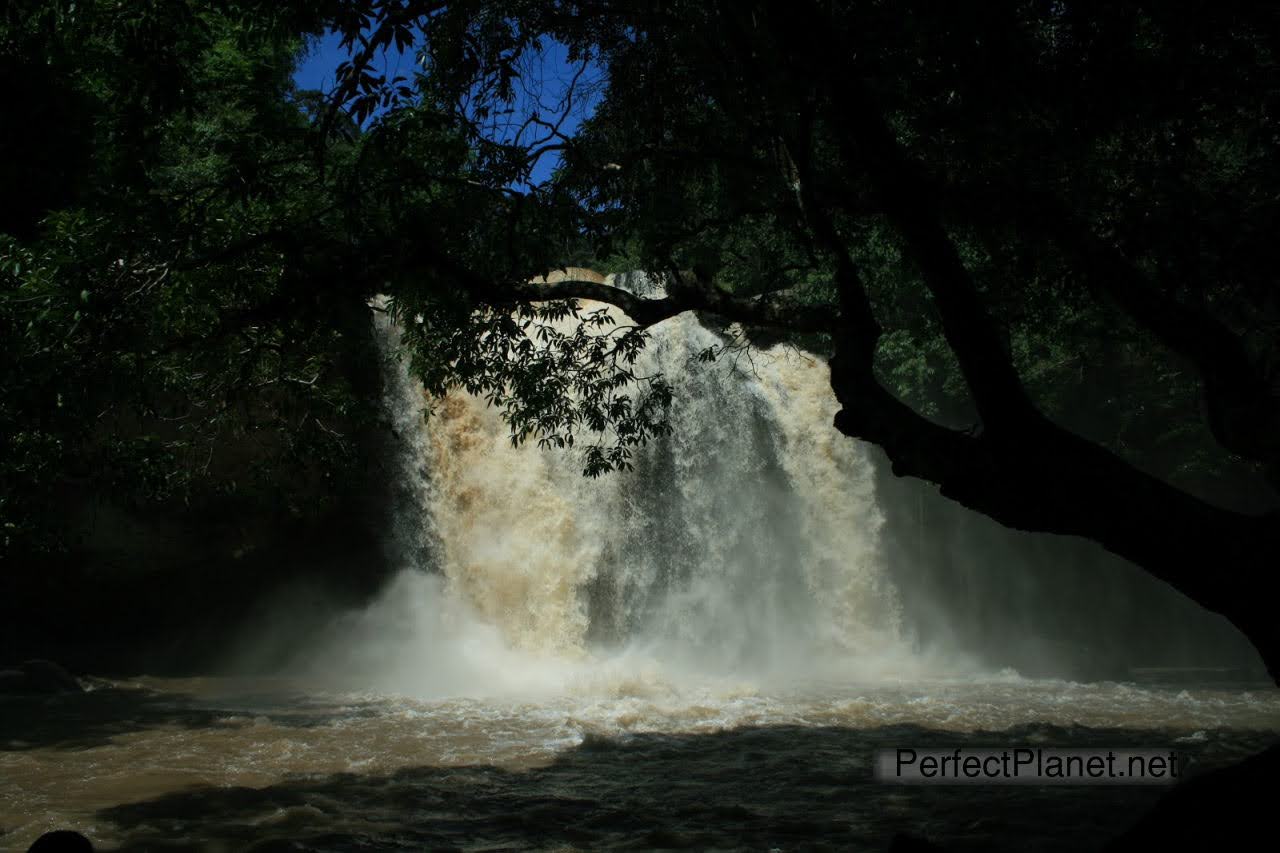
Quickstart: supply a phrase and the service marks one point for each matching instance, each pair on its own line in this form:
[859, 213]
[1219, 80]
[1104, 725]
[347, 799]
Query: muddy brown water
[226, 764]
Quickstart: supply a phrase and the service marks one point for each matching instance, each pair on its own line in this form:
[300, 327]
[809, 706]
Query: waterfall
[745, 543]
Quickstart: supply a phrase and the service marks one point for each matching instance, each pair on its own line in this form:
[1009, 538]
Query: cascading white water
[697, 647]
[743, 545]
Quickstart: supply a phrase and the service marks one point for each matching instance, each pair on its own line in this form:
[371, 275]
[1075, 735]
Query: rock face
[38, 676]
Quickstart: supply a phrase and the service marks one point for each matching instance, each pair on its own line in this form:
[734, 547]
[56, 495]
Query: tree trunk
[1043, 478]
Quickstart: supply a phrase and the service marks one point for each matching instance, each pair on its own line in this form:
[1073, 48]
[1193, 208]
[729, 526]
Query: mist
[754, 542]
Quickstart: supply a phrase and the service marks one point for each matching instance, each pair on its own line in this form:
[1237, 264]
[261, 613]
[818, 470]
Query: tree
[971, 208]
[165, 333]
[832, 169]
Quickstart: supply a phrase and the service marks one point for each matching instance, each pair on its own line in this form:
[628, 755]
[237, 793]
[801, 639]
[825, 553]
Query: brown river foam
[217, 764]
[703, 655]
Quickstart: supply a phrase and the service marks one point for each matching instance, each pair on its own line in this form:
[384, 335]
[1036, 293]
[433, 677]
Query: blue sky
[316, 71]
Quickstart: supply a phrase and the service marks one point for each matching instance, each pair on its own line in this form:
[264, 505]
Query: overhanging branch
[1242, 400]
[772, 310]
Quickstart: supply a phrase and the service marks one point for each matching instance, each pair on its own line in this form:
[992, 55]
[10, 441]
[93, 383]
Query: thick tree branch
[867, 144]
[1242, 403]
[1023, 471]
[1242, 399]
[969, 330]
[771, 310]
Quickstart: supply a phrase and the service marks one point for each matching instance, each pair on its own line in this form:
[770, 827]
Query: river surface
[702, 653]
[226, 764]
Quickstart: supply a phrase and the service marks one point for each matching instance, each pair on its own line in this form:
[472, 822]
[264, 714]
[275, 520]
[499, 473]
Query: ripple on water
[117, 761]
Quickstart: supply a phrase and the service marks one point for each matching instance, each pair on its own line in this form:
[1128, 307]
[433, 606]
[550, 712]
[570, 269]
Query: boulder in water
[61, 841]
[45, 676]
[38, 676]
[12, 681]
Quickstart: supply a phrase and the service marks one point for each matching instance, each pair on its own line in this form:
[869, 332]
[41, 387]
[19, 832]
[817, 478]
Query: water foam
[743, 548]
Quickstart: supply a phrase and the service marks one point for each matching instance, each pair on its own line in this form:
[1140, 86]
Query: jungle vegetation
[1037, 241]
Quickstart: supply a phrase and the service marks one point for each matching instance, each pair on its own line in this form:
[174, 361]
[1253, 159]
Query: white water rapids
[744, 546]
[702, 653]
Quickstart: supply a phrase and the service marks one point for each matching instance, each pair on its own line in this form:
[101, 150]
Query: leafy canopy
[185, 272]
